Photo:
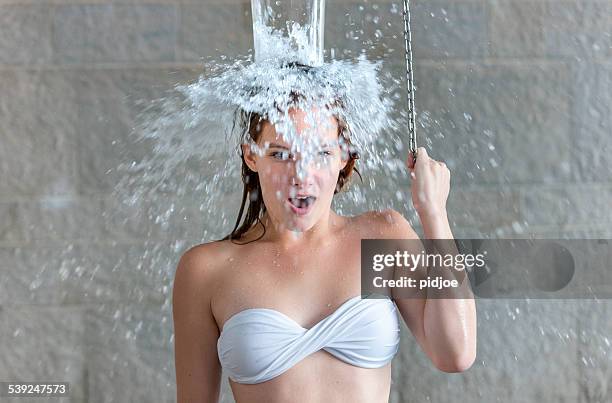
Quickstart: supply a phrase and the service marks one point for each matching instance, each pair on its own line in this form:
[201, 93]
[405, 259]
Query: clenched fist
[430, 184]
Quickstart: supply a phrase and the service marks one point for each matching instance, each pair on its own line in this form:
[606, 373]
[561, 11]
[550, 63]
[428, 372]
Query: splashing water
[199, 123]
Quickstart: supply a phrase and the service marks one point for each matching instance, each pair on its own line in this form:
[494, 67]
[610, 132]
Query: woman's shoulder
[208, 249]
[387, 223]
[202, 263]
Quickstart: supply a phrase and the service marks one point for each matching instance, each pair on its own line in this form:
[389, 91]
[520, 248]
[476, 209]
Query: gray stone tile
[578, 30]
[439, 29]
[588, 231]
[483, 209]
[516, 28]
[110, 33]
[449, 30]
[28, 276]
[63, 219]
[352, 28]
[495, 123]
[162, 218]
[567, 205]
[104, 128]
[37, 124]
[77, 274]
[213, 30]
[129, 354]
[45, 344]
[25, 34]
[149, 269]
[531, 114]
[12, 226]
[516, 340]
[594, 352]
[591, 122]
[568, 29]
[111, 105]
[523, 340]
[60, 274]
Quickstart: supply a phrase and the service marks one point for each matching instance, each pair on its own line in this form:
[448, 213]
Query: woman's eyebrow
[277, 146]
[329, 144]
[324, 145]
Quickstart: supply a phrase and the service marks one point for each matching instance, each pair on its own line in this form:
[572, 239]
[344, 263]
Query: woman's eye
[280, 155]
[326, 153]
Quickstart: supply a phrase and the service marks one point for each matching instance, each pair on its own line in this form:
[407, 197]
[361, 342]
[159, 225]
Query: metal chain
[410, 81]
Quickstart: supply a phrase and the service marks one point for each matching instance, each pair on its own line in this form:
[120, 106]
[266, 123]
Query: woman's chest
[306, 285]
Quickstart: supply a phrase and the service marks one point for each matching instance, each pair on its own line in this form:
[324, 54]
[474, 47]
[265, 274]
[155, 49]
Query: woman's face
[286, 178]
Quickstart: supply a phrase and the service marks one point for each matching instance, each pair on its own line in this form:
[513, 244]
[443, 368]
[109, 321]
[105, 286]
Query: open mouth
[301, 204]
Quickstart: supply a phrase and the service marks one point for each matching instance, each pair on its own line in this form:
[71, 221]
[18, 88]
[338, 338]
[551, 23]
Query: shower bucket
[288, 30]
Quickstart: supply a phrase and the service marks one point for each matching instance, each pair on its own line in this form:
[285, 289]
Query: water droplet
[516, 226]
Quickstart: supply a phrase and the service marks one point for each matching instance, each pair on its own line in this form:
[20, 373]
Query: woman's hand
[430, 184]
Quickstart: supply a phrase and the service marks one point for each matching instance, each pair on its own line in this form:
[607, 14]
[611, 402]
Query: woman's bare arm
[444, 328]
[198, 371]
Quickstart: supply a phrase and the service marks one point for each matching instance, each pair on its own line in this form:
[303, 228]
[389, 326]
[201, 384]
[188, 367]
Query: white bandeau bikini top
[258, 344]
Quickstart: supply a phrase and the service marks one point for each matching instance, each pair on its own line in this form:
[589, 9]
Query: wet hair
[253, 124]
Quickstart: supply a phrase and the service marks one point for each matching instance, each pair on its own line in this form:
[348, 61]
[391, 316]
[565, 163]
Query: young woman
[277, 305]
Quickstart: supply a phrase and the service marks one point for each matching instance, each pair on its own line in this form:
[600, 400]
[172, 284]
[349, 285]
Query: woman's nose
[302, 170]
